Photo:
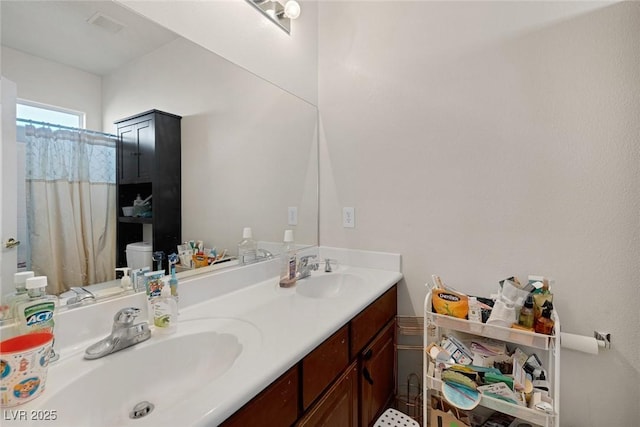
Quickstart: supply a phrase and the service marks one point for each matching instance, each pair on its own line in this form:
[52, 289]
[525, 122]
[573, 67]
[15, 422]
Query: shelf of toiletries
[514, 336]
[533, 416]
[499, 353]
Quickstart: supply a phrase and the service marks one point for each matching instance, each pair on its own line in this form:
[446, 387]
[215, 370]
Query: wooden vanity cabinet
[377, 382]
[277, 405]
[323, 365]
[347, 381]
[338, 407]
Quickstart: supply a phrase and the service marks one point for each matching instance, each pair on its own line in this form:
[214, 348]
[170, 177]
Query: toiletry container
[289, 261]
[36, 313]
[247, 248]
[526, 313]
[475, 313]
[139, 255]
[165, 310]
[20, 294]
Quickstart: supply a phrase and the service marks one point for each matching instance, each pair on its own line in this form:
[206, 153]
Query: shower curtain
[71, 205]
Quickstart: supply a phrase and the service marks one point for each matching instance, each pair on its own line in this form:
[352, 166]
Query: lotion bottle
[289, 261]
[165, 311]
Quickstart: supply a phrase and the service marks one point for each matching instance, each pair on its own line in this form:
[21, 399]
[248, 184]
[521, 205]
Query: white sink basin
[326, 285]
[165, 371]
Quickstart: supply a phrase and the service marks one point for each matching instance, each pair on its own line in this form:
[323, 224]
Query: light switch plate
[292, 215]
[348, 217]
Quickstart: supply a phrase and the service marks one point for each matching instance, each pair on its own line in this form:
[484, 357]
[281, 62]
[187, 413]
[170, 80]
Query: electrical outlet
[292, 215]
[348, 217]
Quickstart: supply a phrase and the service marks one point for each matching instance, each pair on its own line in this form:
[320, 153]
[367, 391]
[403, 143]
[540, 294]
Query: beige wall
[51, 83]
[238, 32]
[482, 140]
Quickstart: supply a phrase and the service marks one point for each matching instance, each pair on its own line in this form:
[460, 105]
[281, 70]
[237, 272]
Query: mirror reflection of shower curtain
[71, 205]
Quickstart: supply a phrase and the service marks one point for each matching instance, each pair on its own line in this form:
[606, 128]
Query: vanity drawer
[278, 404]
[323, 365]
[372, 319]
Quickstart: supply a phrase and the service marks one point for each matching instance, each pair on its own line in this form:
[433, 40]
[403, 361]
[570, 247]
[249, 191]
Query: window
[47, 114]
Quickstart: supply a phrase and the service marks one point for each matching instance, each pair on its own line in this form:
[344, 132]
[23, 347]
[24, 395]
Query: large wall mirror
[249, 148]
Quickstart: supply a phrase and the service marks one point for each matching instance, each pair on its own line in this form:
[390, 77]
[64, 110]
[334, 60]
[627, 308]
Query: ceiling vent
[105, 22]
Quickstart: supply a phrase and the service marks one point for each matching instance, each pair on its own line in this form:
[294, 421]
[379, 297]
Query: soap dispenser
[165, 310]
[125, 282]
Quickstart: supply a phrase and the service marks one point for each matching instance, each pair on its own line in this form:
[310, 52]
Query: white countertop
[290, 325]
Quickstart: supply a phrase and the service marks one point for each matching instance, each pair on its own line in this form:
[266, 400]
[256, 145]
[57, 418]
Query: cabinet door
[128, 157]
[371, 320]
[145, 135]
[377, 375]
[324, 364]
[277, 405]
[136, 151]
[339, 406]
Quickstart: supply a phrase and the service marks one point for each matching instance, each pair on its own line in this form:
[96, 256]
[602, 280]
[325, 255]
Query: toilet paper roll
[579, 343]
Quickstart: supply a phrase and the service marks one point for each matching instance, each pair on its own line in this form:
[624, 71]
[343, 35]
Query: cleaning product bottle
[165, 310]
[137, 205]
[247, 248]
[544, 324]
[36, 313]
[20, 294]
[125, 282]
[289, 261]
[526, 313]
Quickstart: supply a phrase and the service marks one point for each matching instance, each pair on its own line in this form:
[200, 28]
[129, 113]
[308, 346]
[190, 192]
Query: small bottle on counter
[36, 313]
[20, 294]
[247, 248]
[289, 261]
[165, 310]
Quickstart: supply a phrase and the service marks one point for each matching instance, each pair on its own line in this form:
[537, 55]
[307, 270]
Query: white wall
[51, 83]
[482, 140]
[249, 148]
[235, 30]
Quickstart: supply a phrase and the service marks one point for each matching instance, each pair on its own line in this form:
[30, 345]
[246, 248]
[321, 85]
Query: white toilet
[139, 255]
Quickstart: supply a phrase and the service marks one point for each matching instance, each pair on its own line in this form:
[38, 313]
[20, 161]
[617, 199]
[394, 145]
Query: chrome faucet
[263, 254]
[306, 266]
[123, 334]
[82, 294]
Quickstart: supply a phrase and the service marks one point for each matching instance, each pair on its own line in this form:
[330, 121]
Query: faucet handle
[304, 260]
[327, 264]
[126, 316]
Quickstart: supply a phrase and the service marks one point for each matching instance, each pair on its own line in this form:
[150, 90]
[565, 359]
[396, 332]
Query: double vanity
[246, 350]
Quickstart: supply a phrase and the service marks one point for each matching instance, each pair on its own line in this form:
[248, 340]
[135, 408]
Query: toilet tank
[139, 255]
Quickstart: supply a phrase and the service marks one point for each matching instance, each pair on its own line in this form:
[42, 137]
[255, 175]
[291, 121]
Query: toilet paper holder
[603, 338]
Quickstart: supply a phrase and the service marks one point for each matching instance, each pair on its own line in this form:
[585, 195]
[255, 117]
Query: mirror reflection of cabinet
[149, 165]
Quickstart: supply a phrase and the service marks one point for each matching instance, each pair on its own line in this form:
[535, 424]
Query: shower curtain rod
[35, 122]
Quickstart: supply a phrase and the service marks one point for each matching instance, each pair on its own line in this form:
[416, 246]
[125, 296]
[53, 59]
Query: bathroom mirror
[249, 148]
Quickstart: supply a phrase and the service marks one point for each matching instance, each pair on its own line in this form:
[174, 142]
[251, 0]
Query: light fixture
[277, 13]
